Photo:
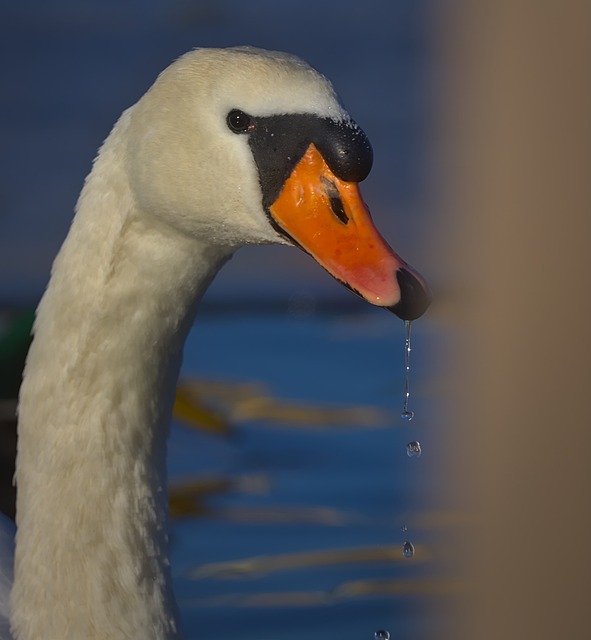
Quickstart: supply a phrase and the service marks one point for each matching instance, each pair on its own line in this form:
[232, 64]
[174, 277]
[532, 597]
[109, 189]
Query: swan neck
[95, 405]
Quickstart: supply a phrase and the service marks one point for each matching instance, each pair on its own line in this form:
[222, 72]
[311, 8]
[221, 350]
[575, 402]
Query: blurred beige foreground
[516, 188]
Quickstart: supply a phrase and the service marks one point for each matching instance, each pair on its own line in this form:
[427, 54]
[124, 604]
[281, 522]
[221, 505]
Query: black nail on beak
[415, 297]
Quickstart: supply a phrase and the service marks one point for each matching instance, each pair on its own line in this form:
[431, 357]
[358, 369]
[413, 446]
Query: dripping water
[382, 634]
[407, 414]
[413, 449]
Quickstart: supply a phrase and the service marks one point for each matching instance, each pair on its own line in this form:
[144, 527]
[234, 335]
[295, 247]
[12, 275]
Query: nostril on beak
[415, 297]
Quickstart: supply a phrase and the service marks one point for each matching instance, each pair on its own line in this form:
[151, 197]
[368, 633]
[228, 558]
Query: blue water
[360, 475]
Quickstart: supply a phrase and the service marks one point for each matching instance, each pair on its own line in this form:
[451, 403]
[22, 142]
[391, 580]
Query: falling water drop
[413, 449]
[403, 528]
[408, 549]
[407, 414]
[382, 634]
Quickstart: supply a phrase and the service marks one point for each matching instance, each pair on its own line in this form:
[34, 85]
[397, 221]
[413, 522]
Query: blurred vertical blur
[515, 89]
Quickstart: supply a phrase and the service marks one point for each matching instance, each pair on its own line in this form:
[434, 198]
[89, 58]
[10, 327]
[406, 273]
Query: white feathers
[171, 195]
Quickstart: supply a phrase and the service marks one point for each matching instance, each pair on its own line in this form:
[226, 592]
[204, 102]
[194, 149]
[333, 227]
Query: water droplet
[403, 528]
[407, 414]
[382, 634]
[413, 449]
[408, 549]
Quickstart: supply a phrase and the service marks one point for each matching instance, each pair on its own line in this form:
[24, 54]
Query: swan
[229, 147]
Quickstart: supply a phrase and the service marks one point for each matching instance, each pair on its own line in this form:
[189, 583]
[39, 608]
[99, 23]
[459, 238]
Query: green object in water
[15, 340]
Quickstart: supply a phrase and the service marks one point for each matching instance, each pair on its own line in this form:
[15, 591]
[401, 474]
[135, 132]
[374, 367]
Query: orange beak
[327, 218]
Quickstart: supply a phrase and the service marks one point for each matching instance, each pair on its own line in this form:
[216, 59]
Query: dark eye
[239, 122]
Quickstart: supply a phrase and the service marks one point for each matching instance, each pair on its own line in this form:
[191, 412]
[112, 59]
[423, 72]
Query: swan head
[246, 146]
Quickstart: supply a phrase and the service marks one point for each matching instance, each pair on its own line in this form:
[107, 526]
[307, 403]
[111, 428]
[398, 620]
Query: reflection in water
[342, 593]
[224, 403]
[297, 561]
[299, 507]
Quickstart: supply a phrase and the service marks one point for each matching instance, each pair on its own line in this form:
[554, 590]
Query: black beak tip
[415, 296]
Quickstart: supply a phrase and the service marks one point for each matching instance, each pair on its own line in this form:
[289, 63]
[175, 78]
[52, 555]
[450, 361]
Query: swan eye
[239, 122]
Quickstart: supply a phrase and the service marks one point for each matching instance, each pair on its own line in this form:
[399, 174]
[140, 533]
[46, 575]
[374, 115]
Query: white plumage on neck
[94, 411]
